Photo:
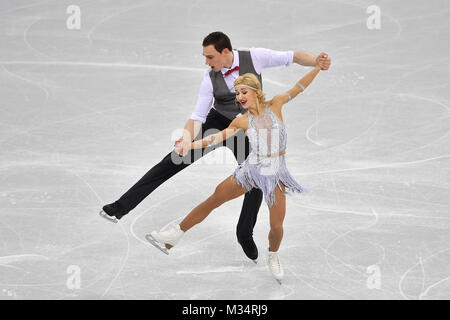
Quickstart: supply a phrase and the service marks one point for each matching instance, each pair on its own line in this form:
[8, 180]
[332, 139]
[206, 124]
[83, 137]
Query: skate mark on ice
[385, 165]
[114, 15]
[5, 260]
[23, 7]
[102, 65]
[342, 236]
[125, 258]
[425, 292]
[420, 263]
[387, 15]
[420, 97]
[116, 65]
[148, 211]
[32, 82]
[28, 44]
[206, 270]
[365, 131]
[8, 261]
[124, 261]
[425, 145]
[300, 278]
[387, 196]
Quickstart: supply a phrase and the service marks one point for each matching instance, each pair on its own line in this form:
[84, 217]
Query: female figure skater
[265, 167]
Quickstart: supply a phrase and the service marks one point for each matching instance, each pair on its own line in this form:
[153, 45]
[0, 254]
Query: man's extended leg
[157, 175]
[247, 221]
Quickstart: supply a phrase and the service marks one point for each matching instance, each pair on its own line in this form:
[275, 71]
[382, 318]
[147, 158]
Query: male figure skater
[226, 65]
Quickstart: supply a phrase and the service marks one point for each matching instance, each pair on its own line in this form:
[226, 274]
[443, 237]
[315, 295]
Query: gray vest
[224, 100]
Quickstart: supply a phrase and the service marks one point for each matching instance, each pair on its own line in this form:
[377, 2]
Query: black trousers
[172, 163]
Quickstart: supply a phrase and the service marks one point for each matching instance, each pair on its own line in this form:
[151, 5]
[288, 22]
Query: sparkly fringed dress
[265, 167]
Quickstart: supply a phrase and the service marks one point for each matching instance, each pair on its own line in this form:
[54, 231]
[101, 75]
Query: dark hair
[219, 39]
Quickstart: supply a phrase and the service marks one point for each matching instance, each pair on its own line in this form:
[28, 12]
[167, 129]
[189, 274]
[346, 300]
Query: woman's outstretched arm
[214, 139]
[300, 86]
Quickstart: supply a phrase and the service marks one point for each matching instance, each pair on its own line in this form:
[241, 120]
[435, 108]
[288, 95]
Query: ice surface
[85, 113]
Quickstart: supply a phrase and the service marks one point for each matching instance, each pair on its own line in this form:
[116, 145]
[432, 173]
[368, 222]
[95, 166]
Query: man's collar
[235, 62]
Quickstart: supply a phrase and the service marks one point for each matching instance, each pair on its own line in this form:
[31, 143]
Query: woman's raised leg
[227, 190]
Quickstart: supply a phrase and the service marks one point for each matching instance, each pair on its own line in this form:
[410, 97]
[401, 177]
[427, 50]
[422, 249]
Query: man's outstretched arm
[310, 60]
[268, 58]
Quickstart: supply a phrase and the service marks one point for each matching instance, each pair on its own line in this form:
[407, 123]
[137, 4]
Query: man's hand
[182, 147]
[177, 145]
[323, 61]
[177, 141]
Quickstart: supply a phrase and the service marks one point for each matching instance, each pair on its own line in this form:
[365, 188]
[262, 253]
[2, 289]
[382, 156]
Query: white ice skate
[275, 266]
[164, 240]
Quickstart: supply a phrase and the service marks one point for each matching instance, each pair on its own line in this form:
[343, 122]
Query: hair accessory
[244, 85]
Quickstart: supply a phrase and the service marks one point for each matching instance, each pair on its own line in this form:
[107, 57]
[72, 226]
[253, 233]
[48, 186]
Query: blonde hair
[251, 80]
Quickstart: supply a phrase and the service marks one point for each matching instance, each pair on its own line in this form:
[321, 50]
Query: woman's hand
[323, 61]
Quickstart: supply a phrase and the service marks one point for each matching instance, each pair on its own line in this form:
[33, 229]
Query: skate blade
[279, 281]
[255, 261]
[156, 244]
[104, 215]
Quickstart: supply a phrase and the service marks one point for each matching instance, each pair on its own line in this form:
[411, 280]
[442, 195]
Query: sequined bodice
[266, 133]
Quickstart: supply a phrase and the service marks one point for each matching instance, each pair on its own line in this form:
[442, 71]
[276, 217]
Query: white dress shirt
[262, 58]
